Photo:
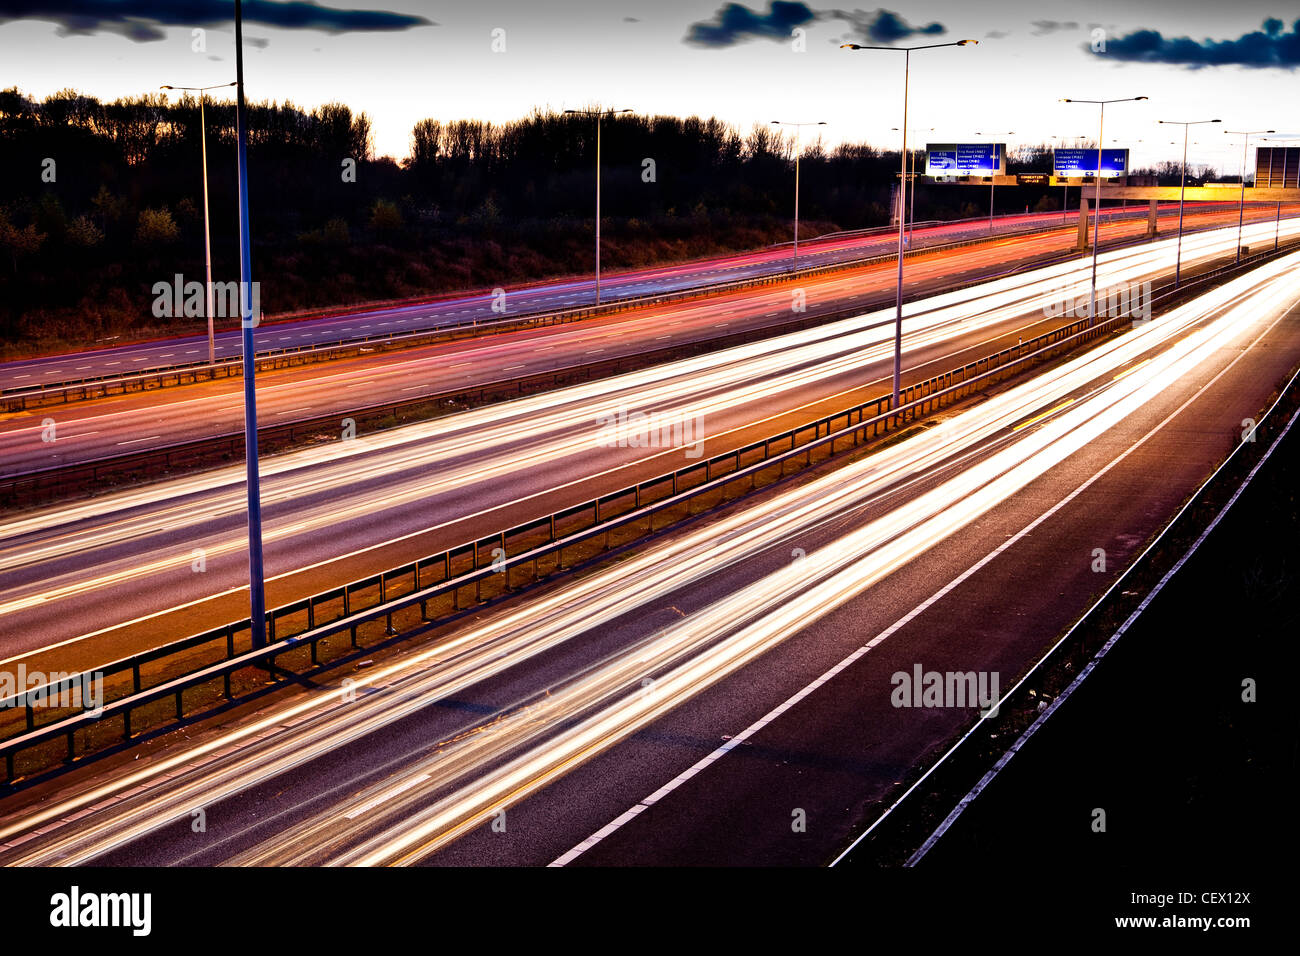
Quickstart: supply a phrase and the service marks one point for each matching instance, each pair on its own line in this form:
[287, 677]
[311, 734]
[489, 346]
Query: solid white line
[781, 708]
[1033, 728]
[1028, 675]
[134, 440]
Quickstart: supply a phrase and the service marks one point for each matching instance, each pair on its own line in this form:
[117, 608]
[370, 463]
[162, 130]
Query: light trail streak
[598, 707]
[507, 440]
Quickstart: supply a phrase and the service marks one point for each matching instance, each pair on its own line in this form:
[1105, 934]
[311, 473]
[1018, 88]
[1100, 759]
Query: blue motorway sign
[964, 159]
[1083, 162]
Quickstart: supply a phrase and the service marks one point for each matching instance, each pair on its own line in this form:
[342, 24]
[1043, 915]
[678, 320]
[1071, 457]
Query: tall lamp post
[902, 161]
[1096, 212]
[207, 231]
[256, 575]
[1182, 190]
[797, 128]
[1241, 208]
[1277, 222]
[911, 207]
[597, 114]
[994, 175]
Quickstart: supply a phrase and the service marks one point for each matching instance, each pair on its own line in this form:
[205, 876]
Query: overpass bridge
[1158, 194]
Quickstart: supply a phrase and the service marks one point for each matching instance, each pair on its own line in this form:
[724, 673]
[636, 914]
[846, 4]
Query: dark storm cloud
[142, 20]
[1269, 46]
[735, 23]
[883, 26]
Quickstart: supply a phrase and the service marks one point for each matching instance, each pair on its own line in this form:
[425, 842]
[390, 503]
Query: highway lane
[141, 421]
[117, 574]
[390, 778]
[554, 296]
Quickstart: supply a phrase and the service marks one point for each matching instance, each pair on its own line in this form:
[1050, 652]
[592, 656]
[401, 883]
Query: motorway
[550, 296]
[94, 580]
[723, 695]
[141, 421]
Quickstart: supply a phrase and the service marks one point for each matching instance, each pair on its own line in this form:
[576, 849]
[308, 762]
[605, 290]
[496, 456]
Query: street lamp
[1241, 209]
[597, 114]
[1096, 213]
[207, 232]
[1182, 189]
[797, 128]
[902, 172]
[994, 176]
[911, 214]
[1277, 222]
[256, 574]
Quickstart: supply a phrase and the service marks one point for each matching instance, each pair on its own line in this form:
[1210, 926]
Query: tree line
[102, 199]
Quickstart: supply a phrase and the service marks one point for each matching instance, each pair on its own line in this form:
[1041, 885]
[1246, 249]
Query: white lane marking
[1029, 731]
[631, 813]
[133, 441]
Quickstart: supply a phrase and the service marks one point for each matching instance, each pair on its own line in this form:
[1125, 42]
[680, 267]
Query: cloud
[883, 26]
[735, 23]
[996, 35]
[1270, 46]
[1044, 27]
[143, 20]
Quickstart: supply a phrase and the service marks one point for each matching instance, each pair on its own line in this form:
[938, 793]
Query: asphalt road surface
[723, 695]
[89, 431]
[98, 579]
[549, 296]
